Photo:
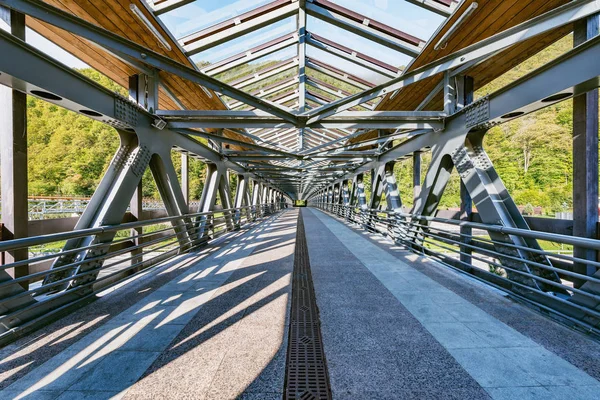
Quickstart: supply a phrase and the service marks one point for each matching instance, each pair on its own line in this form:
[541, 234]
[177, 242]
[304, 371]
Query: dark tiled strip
[306, 372]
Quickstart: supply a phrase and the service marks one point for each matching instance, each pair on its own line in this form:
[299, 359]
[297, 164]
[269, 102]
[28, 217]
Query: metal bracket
[478, 112]
[126, 112]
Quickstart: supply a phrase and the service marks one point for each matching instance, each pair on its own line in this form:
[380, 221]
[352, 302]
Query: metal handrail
[15, 244]
[186, 233]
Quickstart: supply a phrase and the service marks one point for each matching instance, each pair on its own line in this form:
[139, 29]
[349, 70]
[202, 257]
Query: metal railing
[41, 293]
[55, 207]
[521, 262]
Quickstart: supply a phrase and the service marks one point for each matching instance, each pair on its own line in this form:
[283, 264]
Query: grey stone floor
[437, 342]
[213, 325]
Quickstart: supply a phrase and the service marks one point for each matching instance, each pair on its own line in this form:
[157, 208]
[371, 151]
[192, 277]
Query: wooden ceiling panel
[490, 18]
[117, 17]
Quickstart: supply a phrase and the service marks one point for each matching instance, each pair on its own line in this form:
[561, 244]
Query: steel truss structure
[301, 138]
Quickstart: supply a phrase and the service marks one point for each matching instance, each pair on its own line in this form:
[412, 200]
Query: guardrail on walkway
[25, 304]
[566, 286]
[41, 208]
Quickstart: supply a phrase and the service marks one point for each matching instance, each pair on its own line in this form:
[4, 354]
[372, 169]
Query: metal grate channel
[306, 371]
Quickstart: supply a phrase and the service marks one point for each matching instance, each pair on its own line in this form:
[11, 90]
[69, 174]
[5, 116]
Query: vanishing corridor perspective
[253, 199]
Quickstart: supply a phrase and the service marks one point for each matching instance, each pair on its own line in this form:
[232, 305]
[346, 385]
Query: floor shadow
[169, 304]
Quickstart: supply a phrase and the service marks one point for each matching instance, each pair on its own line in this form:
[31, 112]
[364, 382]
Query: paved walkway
[214, 331]
[396, 325]
[214, 325]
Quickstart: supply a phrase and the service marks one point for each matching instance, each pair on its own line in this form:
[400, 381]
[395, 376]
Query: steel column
[165, 177]
[345, 193]
[392, 195]
[256, 198]
[585, 159]
[185, 177]
[225, 195]
[377, 186]
[241, 198]
[416, 175]
[13, 154]
[464, 96]
[361, 197]
[136, 210]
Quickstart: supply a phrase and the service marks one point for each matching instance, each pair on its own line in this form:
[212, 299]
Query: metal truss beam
[558, 17]
[360, 25]
[238, 26]
[576, 72]
[20, 66]
[160, 7]
[179, 119]
[64, 20]
[223, 139]
[383, 120]
[465, 152]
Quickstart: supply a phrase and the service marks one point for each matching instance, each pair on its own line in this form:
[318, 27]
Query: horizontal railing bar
[194, 244]
[42, 239]
[77, 250]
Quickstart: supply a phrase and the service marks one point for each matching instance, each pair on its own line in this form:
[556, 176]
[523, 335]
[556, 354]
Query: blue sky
[203, 13]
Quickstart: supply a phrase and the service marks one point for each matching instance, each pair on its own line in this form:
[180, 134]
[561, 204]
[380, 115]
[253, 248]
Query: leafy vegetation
[68, 152]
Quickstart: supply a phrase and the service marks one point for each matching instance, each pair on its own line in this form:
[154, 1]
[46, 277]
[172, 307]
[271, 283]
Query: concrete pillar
[585, 158]
[13, 152]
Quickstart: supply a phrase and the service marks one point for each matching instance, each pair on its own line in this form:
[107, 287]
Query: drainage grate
[306, 372]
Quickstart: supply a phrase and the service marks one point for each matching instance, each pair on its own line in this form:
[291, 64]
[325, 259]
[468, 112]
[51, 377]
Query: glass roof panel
[398, 14]
[345, 65]
[357, 43]
[201, 14]
[246, 42]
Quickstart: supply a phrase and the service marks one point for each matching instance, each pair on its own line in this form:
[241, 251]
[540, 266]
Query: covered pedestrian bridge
[302, 271]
